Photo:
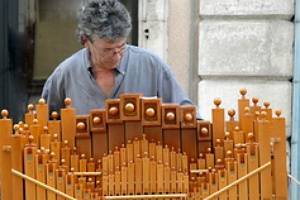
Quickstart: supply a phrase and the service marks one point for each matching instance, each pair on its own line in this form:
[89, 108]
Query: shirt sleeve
[53, 92]
[169, 89]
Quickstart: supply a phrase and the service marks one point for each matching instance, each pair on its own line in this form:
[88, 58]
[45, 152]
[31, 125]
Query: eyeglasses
[116, 50]
[109, 51]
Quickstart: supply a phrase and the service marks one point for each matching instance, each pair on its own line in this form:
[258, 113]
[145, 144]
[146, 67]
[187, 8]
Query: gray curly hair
[107, 19]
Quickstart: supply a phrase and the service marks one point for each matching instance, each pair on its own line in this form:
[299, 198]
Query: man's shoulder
[75, 60]
[143, 53]
[146, 56]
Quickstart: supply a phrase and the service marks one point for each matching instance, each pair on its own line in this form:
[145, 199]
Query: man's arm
[53, 92]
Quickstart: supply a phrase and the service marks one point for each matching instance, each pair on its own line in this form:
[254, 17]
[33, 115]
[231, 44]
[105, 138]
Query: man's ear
[84, 40]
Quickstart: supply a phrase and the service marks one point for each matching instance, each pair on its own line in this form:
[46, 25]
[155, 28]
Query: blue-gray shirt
[139, 71]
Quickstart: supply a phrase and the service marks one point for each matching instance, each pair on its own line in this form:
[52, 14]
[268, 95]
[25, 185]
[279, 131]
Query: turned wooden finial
[129, 107]
[243, 92]
[231, 113]
[62, 161]
[257, 113]
[45, 129]
[170, 116]
[227, 135]
[218, 142]
[266, 104]
[16, 127]
[217, 102]
[35, 121]
[68, 102]
[188, 117]
[42, 101]
[54, 115]
[96, 120]
[4, 114]
[30, 108]
[250, 137]
[30, 139]
[255, 100]
[278, 113]
[113, 110]
[26, 127]
[80, 125]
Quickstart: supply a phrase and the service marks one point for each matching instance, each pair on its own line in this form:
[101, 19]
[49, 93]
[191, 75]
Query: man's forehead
[110, 41]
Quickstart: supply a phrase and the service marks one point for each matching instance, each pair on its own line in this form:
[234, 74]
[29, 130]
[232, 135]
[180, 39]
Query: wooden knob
[113, 110]
[54, 115]
[16, 127]
[170, 116]
[219, 161]
[231, 113]
[278, 113]
[96, 120]
[266, 104]
[217, 102]
[30, 139]
[4, 114]
[42, 101]
[129, 107]
[52, 155]
[26, 127]
[209, 150]
[35, 121]
[66, 142]
[204, 131]
[45, 128]
[250, 136]
[150, 112]
[188, 117]
[68, 102]
[243, 92]
[80, 125]
[229, 153]
[30, 107]
[246, 109]
[227, 134]
[254, 100]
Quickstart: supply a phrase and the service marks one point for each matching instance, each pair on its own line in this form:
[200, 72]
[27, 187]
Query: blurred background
[35, 36]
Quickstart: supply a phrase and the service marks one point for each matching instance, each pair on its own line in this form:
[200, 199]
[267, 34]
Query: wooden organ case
[141, 148]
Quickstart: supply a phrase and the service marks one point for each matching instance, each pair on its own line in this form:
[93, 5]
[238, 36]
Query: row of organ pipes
[139, 148]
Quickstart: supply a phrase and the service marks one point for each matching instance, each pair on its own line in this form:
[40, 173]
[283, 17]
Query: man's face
[106, 54]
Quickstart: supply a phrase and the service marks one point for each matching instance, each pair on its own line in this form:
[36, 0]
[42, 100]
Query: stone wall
[246, 43]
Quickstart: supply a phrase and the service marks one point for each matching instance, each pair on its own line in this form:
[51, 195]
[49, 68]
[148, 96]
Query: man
[107, 66]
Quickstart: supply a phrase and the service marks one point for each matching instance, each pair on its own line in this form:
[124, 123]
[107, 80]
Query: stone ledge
[246, 47]
[281, 8]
